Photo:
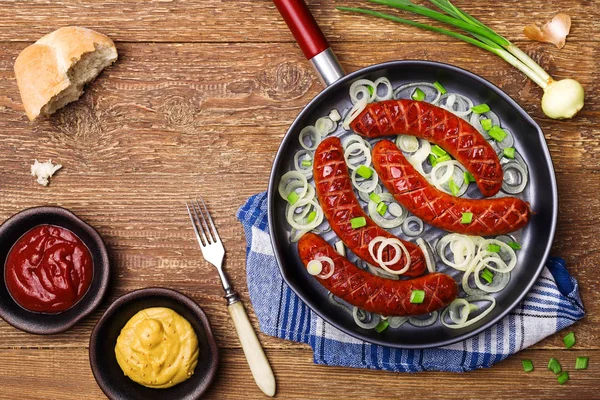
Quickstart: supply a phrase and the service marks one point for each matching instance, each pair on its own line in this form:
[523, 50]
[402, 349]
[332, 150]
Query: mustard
[157, 348]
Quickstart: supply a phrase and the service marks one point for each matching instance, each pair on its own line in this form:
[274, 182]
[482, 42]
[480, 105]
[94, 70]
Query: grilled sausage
[340, 206]
[372, 293]
[490, 216]
[439, 126]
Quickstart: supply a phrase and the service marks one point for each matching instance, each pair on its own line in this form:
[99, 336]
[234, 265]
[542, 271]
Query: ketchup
[48, 269]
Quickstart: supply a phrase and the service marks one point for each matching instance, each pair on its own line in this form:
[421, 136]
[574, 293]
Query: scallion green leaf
[569, 340]
[514, 245]
[371, 90]
[364, 171]
[554, 366]
[445, 157]
[418, 95]
[440, 87]
[382, 208]
[509, 152]
[382, 326]
[433, 160]
[293, 197]
[486, 124]
[497, 133]
[375, 198]
[581, 363]
[417, 296]
[306, 163]
[358, 222]
[454, 189]
[469, 177]
[438, 151]
[467, 218]
[563, 378]
[311, 217]
[487, 275]
[527, 365]
[480, 109]
[494, 248]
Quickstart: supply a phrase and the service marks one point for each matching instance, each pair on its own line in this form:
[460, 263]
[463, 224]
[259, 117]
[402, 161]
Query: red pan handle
[311, 40]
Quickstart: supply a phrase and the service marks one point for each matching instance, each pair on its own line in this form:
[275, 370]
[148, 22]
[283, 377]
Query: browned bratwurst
[439, 126]
[372, 293]
[340, 206]
[490, 216]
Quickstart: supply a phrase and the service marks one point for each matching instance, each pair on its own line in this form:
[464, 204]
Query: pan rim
[272, 189]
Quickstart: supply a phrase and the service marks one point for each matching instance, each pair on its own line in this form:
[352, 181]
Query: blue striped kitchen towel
[551, 305]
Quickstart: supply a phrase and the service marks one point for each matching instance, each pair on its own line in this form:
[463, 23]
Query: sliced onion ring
[408, 231]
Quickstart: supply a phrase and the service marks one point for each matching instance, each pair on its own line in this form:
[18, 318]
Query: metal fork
[214, 252]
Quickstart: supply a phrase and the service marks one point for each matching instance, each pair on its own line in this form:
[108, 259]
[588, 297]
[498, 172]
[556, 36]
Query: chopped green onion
[306, 163]
[454, 189]
[364, 171]
[514, 245]
[382, 208]
[563, 378]
[293, 198]
[311, 217]
[527, 365]
[417, 296]
[433, 160]
[438, 151]
[486, 124]
[382, 326]
[480, 109]
[509, 152]
[418, 95]
[375, 198]
[554, 366]
[443, 158]
[371, 90]
[467, 218]
[494, 248]
[358, 222]
[569, 340]
[497, 133]
[487, 275]
[440, 87]
[581, 363]
[469, 177]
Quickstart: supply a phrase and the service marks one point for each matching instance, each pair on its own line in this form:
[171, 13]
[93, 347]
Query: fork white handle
[255, 355]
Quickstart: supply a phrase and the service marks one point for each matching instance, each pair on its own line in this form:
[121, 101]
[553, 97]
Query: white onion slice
[406, 226]
[463, 322]
[371, 183]
[463, 249]
[339, 248]
[304, 226]
[380, 220]
[309, 132]
[398, 247]
[314, 267]
[299, 157]
[354, 112]
[365, 319]
[334, 115]
[418, 322]
[361, 87]
[357, 154]
[407, 143]
[428, 253]
[475, 120]
[389, 91]
[330, 271]
[324, 126]
[515, 178]
[432, 94]
[365, 196]
[418, 158]
[456, 103]
[396, 322]
[290, 181]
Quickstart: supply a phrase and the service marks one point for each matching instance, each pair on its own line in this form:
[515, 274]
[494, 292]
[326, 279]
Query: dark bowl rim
[136, 294]
[95, 298]
[327, 92]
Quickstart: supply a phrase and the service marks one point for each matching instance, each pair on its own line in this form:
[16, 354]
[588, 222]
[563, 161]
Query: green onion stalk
[562, 99]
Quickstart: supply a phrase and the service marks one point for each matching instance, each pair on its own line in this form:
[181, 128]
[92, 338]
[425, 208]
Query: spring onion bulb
[562, 99]
[398, 248]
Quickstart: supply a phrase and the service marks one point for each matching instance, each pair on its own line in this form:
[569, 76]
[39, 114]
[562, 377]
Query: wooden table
[198, 102]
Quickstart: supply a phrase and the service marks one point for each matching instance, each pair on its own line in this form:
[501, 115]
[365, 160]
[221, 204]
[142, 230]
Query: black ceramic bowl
[103, 361]
[47, 324]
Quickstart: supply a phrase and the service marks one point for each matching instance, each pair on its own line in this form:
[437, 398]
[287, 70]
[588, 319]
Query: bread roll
[51, 72]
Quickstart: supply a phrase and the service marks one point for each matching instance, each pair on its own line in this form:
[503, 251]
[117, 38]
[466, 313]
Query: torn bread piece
[52, 72]
[44, 171]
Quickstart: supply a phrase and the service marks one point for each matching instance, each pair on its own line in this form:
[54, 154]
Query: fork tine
[204, 226]
[212, 224]
[197, 225]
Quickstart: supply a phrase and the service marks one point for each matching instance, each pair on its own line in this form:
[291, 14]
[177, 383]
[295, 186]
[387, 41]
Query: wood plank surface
[198, 102]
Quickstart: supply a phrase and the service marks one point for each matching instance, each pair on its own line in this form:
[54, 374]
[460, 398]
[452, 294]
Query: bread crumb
[44, 171]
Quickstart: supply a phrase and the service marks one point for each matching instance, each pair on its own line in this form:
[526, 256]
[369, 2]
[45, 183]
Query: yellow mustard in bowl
[157, 348]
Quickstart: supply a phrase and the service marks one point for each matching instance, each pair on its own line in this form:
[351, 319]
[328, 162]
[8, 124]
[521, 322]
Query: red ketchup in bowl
[48, 269]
